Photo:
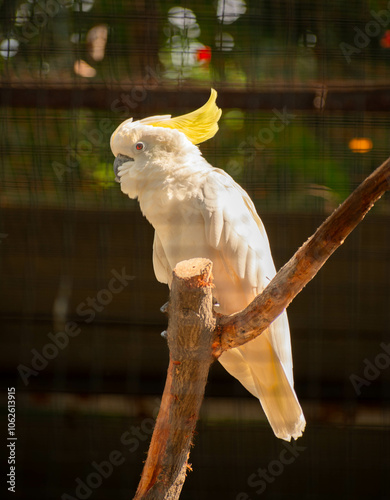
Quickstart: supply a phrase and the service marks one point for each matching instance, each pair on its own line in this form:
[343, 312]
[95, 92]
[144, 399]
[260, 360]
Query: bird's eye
[139, 146]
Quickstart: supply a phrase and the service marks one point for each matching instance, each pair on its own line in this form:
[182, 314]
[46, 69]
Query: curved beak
[119, 160]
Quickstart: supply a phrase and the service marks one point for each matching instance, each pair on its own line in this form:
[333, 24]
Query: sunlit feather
[199, 125]
[199, 211]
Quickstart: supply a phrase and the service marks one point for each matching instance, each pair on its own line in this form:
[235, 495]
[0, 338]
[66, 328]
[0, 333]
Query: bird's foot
[165, 308]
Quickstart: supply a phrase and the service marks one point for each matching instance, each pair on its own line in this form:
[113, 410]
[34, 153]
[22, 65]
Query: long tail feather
[257, 366]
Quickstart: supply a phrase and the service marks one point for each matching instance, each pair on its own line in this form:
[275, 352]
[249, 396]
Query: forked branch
[195, 338]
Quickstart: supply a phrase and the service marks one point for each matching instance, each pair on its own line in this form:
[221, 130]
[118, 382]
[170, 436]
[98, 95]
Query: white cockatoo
[199, 211]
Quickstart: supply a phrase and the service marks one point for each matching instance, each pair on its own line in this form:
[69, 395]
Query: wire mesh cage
[305, 98]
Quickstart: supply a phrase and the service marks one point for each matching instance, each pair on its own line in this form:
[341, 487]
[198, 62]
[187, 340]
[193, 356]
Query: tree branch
[195, 338]
[190, 336]
[239, 328]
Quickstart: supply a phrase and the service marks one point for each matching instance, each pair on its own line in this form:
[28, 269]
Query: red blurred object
[204, 54]
[385, 40]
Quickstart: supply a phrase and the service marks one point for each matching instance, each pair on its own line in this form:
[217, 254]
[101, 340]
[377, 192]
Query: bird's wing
[233, 228]
[264, 365]
[161, 266]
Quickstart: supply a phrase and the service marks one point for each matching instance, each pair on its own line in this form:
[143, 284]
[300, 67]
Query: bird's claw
[165, 308]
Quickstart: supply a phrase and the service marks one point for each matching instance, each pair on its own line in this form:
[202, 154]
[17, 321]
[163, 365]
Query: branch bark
[196, 338]
[239, 328]
[190, 336]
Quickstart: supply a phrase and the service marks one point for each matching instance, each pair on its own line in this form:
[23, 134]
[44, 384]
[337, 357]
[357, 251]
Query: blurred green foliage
[62, 157]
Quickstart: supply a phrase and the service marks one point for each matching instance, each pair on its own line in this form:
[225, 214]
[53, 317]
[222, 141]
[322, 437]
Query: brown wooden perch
[196, 336]
[190, 337]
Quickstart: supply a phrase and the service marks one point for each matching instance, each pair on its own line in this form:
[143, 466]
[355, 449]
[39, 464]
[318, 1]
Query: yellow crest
[198, 126]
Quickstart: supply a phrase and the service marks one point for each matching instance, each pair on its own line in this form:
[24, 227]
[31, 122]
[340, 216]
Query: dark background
[65, 227]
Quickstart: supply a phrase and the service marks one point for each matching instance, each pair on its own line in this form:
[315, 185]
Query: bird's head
[158, 142]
